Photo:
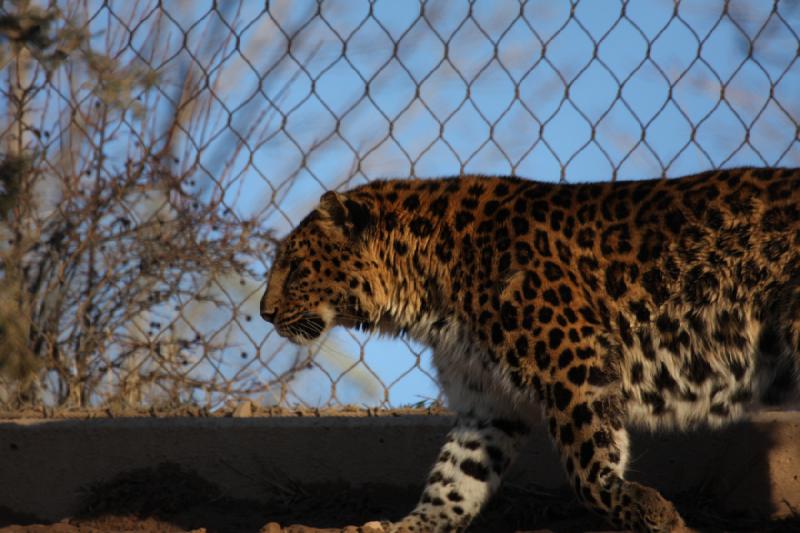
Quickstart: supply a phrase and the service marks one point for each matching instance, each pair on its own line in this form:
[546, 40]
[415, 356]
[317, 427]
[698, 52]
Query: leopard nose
[269, 316]
[268, 313]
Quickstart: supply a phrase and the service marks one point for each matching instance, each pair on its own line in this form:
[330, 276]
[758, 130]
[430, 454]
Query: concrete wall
[44, 464]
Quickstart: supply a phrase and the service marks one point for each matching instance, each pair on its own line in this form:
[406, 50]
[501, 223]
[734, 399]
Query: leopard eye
[292, 270]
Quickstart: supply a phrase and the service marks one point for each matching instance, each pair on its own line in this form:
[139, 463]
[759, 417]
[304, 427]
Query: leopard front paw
[410, 524]
[376, 526]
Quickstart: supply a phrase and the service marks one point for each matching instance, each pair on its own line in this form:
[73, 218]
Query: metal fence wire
[153, 152]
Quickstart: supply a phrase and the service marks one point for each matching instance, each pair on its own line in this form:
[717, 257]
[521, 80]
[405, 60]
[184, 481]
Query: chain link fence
[153, 151]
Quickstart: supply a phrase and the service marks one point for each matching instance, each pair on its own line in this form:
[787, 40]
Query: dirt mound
[243, 409]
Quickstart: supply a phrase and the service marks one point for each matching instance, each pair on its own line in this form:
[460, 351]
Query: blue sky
[332, 96]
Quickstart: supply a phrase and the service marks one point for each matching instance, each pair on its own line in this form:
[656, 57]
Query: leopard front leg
[468, 470]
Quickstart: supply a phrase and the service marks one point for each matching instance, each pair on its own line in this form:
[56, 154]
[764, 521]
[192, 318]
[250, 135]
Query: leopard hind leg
[778, 351]
[593, 445]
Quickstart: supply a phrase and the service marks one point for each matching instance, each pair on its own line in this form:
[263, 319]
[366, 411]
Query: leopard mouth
[304, 329]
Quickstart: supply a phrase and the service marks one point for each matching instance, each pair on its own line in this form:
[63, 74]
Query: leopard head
[325, 273]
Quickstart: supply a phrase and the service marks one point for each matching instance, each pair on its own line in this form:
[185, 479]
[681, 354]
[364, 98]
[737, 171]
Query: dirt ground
[169, 498]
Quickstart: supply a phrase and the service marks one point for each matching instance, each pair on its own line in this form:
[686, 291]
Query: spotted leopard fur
[665, 303]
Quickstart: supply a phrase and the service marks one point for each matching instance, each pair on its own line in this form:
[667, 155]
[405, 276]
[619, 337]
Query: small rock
[244, 410]
[272, 527]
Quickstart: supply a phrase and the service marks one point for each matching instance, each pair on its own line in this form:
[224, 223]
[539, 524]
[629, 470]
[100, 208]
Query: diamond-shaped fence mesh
[153, 151]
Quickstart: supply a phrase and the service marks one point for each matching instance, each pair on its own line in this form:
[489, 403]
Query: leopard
[593, 308]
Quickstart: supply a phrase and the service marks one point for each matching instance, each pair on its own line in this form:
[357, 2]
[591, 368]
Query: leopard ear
[353, 217]
[331, 206]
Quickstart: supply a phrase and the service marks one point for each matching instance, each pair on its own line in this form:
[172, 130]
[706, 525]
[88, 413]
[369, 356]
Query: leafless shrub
[116, 240]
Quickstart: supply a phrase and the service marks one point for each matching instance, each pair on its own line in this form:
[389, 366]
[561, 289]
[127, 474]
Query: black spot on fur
[562, 396]
[497, 333]
[463, 219]
[565, 294]
[556, 217]
[675, 221]
[411, 202]
[541, 242]
[541, 355]
[666, 324]
[653, 282]
[490, 207]
[655, 401]
[439, 206]
[501, 190]
[520, 225]
[779, 218]
[421, 227]
[598, 377]
[552, 272]
[508, 316]
[581, 415]
[625, 330]
[555, 337]
[586, 453]
[435, 477]
[616, 239]
[358, 214]
[469, 203]
[587, 267]
[565, 358]
[539, 210]
[585, 353]
[719, 409]
[646, 343]
[738, 368]
[664, 380]
[577, 375]
[567, 435]
[474, 469]
[530, 283]
[700, 286]
[521, 346]
[640, 310]
[697, 369]
[454, 496]
[601, 439]
[637, 373]
[523, 253]
[615, 279]
[498, 459]
[586, 238]
[551, 297]
[588, 315]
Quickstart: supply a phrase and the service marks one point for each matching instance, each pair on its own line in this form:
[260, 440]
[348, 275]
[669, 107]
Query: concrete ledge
[752, 467]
